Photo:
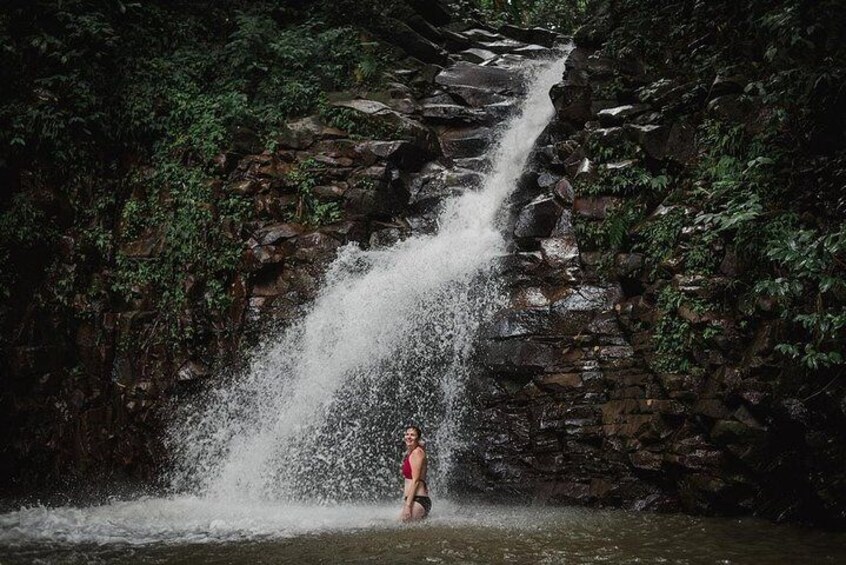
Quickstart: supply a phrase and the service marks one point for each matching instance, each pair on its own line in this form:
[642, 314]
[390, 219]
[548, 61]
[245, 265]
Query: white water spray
[387, 343]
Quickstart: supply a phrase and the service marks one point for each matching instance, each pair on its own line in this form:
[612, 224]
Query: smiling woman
[417, 503]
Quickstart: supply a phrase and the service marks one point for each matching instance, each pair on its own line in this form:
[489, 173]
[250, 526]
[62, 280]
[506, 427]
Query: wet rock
[646, 460]
[559, 382]
[660, 92]
[628, 264]
[489, 101]
[572, 103]
[277, 232]
[727, 84]
[270, 281]
[587, 299]
[536, 35]
[523, 357]
[476, 55]
[546, 180]
[302, 133]
[452, 113]
[404, 37]
[145, 246]
[192, 370]
[434, 11]
[463, 143]
[533, 51]
[560, 252]
[478, 34]
[652, 138]
[595, 207]
[620, 114]
[538, 218]
[413, 131]
[477, 164]
[490, 79]
[607, 137]
[330, 192]
[564, 191]
[403, 155]
[681, 143]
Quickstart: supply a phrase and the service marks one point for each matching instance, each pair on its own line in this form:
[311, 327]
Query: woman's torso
[422, 487]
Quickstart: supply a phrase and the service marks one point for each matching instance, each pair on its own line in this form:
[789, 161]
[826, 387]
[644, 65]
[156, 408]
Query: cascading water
[387, 343]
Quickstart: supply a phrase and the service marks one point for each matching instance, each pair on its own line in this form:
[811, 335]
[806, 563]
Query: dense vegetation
[768, 181]
[111, 116]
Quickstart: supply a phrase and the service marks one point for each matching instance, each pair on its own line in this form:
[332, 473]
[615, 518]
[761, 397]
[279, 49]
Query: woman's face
[410, 436]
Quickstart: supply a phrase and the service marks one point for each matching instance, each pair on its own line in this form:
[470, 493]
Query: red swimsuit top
[406, 467]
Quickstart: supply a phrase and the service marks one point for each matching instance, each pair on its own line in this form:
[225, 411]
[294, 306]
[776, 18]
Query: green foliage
[309, 209]
[356, 123]
[560, 15]
[192, 254]
[23, 227]
[810, 292]
[768, 187]
[610, 234]
[673, 335]
[656, 238]
[120, 108]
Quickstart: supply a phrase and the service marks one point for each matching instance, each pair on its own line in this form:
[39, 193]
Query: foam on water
[184, 519]
[191, 519]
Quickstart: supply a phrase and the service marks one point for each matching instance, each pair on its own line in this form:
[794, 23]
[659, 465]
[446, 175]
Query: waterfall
[387, 343]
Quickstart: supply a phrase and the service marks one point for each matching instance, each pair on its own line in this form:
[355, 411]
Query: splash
[387, 342]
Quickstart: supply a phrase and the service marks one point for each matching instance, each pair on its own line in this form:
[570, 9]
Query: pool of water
[188, 530]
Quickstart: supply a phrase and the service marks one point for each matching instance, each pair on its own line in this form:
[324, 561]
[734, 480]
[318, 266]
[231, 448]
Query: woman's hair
[416, 429]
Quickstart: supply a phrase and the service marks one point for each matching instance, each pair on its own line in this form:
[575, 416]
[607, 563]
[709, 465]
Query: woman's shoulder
[418, 452]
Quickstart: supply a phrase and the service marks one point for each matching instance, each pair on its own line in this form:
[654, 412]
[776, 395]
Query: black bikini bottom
[425, 502]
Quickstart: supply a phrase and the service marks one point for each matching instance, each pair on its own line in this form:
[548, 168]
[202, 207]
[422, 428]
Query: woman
[417, 503]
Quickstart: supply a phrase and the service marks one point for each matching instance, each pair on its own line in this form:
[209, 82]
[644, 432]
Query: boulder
[491, 79]
[404, 155]
[480, 98]
[272, 234]
[405, 127]
[192, 370]
[504, 45]
[478, 34]
[462, 143]
[538, 218]
[560, 252]
[302, 133]
[572, 103]
[536, 35]
[587, 298]
[524, 357]
[620, 114]
[476, 55]
[681, 143]
[595, 207]
[404, 37]
[434, 11]
[727, 83]
[452, 113]
[651, 138]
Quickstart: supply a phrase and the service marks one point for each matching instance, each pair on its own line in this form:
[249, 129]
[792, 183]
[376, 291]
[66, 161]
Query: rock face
[575, 409]
[88, 397]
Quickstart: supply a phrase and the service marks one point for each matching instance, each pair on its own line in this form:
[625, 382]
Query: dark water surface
[192, 531]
